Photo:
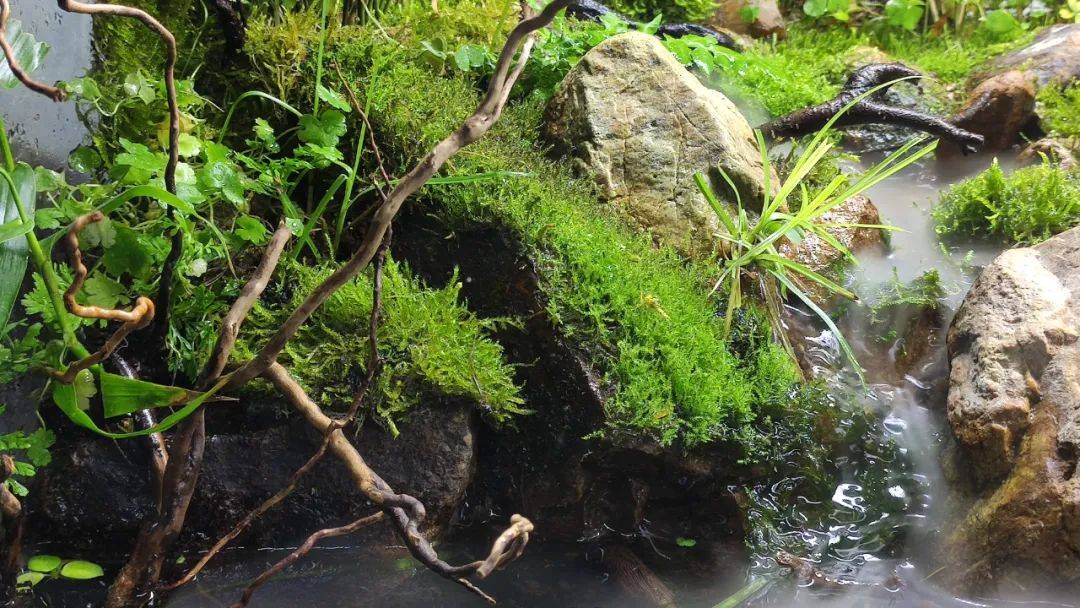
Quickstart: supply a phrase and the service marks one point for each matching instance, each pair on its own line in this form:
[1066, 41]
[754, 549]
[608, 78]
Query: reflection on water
[44, 132]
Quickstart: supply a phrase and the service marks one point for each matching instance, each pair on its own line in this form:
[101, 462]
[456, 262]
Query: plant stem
[38, 255]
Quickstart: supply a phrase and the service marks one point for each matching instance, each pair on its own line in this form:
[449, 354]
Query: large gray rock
[641, 126]
[1014, 407]
[1052, 58]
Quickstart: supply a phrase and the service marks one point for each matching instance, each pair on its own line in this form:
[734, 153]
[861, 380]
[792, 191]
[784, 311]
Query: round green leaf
[43, 563]
[81, 570]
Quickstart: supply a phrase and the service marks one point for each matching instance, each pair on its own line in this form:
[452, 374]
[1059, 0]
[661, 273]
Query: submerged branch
[303, 550]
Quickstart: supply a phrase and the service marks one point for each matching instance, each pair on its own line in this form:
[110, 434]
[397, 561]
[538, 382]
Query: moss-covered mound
[643, 315]
[1025, 208]
[429, 343]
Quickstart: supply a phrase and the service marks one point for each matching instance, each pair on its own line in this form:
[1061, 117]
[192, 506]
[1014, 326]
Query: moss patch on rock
[429, 342]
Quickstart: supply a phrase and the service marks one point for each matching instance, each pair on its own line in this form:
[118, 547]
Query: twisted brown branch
[373, 366]
[406, 512]
[303, 550]
[143, 569]
[137, 318]
[249, 295]
[474, 127]
[49, 91]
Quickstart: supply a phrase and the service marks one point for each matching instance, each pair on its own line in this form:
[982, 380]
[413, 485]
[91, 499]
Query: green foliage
[40, 567]
[753, 241]
[839, 10]
[1024, 208]
[29, 451]
[670, 10]
[1059, 109]
[905, 14]
[429, 342]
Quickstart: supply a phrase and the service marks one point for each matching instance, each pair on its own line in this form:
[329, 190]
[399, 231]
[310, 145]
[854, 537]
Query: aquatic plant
[1025, 208]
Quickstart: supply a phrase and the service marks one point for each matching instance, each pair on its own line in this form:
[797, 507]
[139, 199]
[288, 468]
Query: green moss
[124, 45]
[1059, 109]
[429, 342]
[644, 314]
[1024, 208]
[670, 10]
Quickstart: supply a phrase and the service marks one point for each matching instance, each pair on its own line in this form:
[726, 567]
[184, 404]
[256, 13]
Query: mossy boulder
[640, 125]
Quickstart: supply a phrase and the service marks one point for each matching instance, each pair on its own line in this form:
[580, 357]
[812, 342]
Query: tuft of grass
[430, 344]
[1025, 208]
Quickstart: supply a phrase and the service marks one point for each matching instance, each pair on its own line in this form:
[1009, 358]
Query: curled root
[137, 318]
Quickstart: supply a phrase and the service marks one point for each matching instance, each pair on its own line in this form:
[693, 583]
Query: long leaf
[14, 249]
[809, 273]
[718, 208]
[64, 397]
[28, 52]
[121, 395]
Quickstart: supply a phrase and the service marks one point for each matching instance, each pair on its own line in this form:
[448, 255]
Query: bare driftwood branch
[872, 109]
[143, 569]
[137, 318]
[249, 295]
[49, 91]
[303, 550]
[373, 368]
[475, 126]
[406, 513]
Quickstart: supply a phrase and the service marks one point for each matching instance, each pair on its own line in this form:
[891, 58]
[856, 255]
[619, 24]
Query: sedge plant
[753, 240]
